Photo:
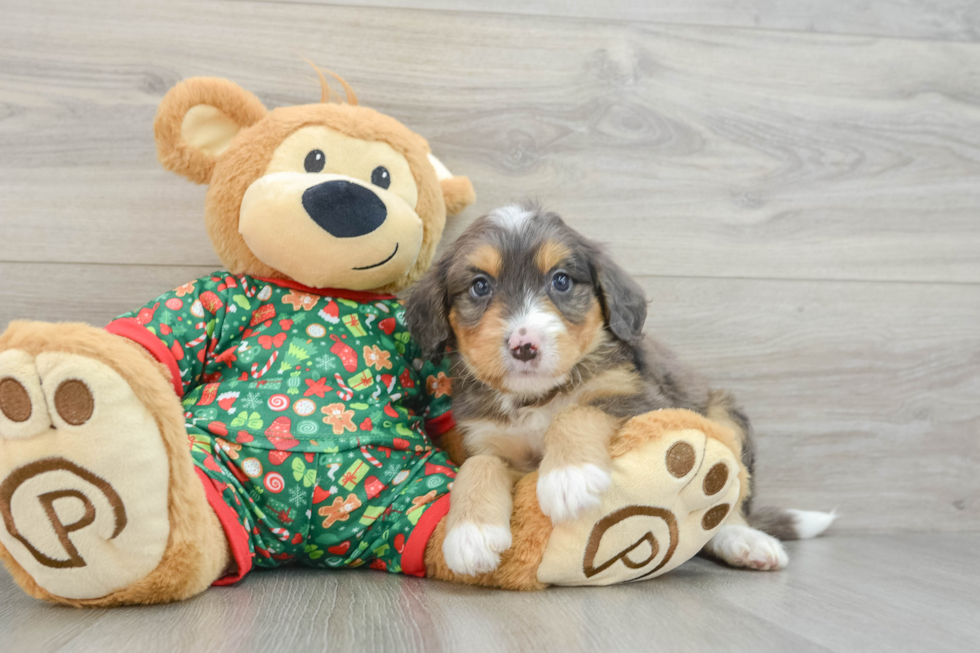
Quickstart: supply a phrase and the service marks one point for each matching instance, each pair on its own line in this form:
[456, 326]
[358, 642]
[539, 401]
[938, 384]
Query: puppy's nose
[523, 345]
[344, 209]
[524, 352]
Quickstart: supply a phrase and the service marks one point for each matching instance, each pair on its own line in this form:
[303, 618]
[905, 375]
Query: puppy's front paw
[472, 549]
[566, 492]
[744, 546]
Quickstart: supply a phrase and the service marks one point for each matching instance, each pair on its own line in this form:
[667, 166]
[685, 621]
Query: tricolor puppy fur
[551, 361]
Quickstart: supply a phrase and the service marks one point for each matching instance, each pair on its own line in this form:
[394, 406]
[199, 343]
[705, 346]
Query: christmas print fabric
[307, 409]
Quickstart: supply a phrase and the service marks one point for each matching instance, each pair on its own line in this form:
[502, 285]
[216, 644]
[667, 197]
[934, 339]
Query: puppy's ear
[623, 301]
[197, 120]
[457, 192]
[427, 310]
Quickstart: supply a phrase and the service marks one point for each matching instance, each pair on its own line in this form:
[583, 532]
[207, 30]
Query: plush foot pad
[669, 494]
[83, 475]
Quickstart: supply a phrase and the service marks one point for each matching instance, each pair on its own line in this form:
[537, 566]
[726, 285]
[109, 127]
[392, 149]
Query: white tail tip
[810, 523]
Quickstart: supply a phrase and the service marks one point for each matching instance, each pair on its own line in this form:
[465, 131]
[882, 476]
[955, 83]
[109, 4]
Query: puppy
[550, 361]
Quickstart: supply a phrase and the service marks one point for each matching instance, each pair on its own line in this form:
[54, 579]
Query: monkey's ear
[457, 192]
[197, 120]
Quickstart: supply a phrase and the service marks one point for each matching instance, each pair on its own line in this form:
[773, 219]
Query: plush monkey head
[329, 195]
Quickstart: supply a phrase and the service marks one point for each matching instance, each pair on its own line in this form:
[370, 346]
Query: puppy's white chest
[520, 440]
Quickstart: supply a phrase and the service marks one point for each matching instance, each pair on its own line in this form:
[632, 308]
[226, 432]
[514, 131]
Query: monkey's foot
[86, 485]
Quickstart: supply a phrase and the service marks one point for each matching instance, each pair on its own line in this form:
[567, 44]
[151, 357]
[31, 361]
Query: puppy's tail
[789, 524]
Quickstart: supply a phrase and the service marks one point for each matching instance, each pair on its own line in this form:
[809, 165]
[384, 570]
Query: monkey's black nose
[344, 209]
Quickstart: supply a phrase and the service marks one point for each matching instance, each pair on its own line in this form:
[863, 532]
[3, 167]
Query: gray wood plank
[840, 593]
[694, 151]
[957, 20]
[84, 293]
[863, 394]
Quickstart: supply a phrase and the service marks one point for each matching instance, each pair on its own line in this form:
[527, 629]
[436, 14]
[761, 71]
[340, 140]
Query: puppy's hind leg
[739, 545]
[478, 524]
[750, 537]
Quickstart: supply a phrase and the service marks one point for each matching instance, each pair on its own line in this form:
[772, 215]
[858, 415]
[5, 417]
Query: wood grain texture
[863, 394]
[693, 151]
[801, 209]
[840, 593]
[956, 20]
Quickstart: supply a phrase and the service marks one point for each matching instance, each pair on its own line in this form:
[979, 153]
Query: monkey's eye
[480, 287]
[315, 161]
[561, 282]
[380, 177]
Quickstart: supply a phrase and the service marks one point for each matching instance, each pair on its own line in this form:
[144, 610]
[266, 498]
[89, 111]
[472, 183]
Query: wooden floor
[796, 184]
[843, 593]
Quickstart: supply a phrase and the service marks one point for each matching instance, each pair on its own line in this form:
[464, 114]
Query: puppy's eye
[380, 177]
[315, 161]
[561, 282]
[480, 287]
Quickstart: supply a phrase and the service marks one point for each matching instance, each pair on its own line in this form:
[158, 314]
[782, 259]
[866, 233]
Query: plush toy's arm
[452, 443]
[181, 328]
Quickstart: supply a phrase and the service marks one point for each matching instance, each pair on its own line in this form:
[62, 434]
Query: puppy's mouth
[379, 264]
[532, 377]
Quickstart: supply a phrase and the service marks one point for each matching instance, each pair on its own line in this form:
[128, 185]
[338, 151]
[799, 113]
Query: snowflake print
[296, 495]
[325, 362]
[252, 401]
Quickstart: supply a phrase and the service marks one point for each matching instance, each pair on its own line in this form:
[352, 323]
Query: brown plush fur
[236, 103]
[518, 568]
[458, 194]
[452, 443]
[196, 553]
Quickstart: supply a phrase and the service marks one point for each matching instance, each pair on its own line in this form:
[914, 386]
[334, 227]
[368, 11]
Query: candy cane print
[371, 459]
[198, 340]
[249, 290]
[265, 368]
[345, 392]
[212, 346]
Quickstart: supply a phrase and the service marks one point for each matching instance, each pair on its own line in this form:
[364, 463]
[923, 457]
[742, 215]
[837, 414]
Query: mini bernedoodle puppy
[550, 361]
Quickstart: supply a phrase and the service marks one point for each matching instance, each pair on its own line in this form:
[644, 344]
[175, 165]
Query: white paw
[566, 492]
[744, 546]
[472, 549]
